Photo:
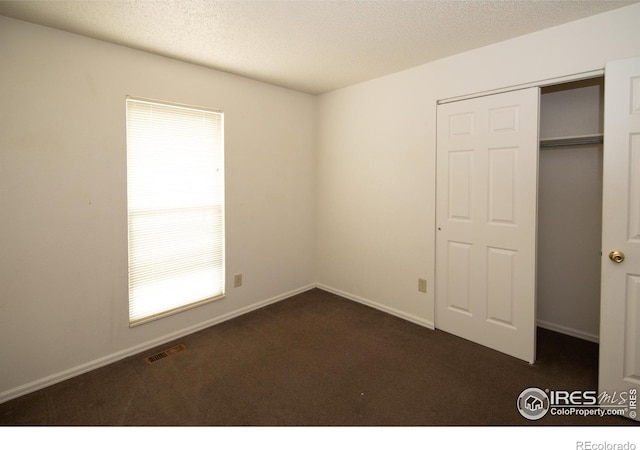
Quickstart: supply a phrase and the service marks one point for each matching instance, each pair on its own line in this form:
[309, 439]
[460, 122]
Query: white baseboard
[394, 312]
[131, 351]
[568, 331]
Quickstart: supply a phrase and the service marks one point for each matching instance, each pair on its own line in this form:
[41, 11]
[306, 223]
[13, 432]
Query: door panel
[634, 187]
[460, 164]
[620, 297]
[487, 159]
[632, 338]
[459, 259]
[502, 167]
[500, 285]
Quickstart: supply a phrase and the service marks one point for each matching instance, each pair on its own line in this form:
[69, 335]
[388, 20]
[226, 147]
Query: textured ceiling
[312, 46]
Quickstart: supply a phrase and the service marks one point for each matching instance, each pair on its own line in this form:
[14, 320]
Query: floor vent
[164, 353]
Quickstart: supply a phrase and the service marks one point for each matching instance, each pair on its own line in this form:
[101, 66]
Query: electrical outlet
[422, 285]
[237, 280]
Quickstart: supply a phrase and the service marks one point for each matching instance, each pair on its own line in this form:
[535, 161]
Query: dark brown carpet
[317, 359]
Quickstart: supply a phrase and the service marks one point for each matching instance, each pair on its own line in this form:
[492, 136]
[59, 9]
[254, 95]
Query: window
[175, 195]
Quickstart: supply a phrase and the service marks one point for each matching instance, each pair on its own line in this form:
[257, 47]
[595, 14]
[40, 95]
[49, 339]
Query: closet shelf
[589, 139]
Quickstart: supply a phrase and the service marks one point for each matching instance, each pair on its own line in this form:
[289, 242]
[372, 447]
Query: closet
[570, 208]
[519, 215]
[537, 224]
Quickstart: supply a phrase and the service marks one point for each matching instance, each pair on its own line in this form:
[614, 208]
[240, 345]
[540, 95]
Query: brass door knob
[616, 256]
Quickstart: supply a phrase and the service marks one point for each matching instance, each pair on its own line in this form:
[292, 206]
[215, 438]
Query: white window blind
[175, 194]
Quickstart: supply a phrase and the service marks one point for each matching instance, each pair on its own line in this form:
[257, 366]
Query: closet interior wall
[570, 209]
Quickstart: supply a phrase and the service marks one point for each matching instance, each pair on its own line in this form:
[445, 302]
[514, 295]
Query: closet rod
[571, 142]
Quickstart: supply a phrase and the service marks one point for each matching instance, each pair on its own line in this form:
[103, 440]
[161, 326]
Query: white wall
[63, 229]
[376, 155]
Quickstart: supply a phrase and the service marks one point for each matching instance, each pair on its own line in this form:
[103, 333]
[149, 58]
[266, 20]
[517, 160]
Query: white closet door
[620, 300]
[487, 167]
